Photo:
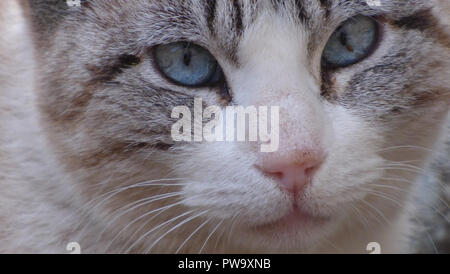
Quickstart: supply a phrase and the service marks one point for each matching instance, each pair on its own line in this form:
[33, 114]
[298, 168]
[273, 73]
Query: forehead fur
[191, 18]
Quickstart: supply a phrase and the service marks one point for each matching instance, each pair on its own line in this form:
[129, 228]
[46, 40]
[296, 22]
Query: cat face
[362, 91]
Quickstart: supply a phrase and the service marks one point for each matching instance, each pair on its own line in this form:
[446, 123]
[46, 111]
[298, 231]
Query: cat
[86, 154]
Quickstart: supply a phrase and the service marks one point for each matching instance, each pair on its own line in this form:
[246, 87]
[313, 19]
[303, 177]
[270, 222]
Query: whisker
[92, 205]
[137, 204]
[118, 190]
[417, 220]
[175, 227]
[383, 195]
[361, 217]
[410, 182]
[149, 183]
[405, 191]
[386, 168]
[161, 210]
[376, 210]
[219, 238]
[333, 245]
[192, 234]
[407, 147]
[209, 236]
[148, 213]
[417, 170]
[233, 222]
[156, 227]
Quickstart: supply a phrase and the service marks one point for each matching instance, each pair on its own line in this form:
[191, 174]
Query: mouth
[296, 220]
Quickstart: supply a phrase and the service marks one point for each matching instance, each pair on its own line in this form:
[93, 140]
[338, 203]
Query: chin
[295, 230]
[288, 235]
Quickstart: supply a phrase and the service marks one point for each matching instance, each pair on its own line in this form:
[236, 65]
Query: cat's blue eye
[187, 64]
[352, 42]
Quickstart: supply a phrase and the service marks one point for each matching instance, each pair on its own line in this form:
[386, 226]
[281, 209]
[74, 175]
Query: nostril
[291, 174]
[310, 170]
[274, 175]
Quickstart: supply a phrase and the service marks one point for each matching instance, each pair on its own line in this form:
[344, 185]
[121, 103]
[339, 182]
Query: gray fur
[106, 110]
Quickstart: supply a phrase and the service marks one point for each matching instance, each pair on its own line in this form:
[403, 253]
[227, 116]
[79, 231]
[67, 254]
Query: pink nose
[293, 172]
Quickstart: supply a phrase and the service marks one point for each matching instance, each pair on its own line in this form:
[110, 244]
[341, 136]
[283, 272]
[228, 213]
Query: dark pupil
[187, 56]
[344, 42]
[343, 38]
